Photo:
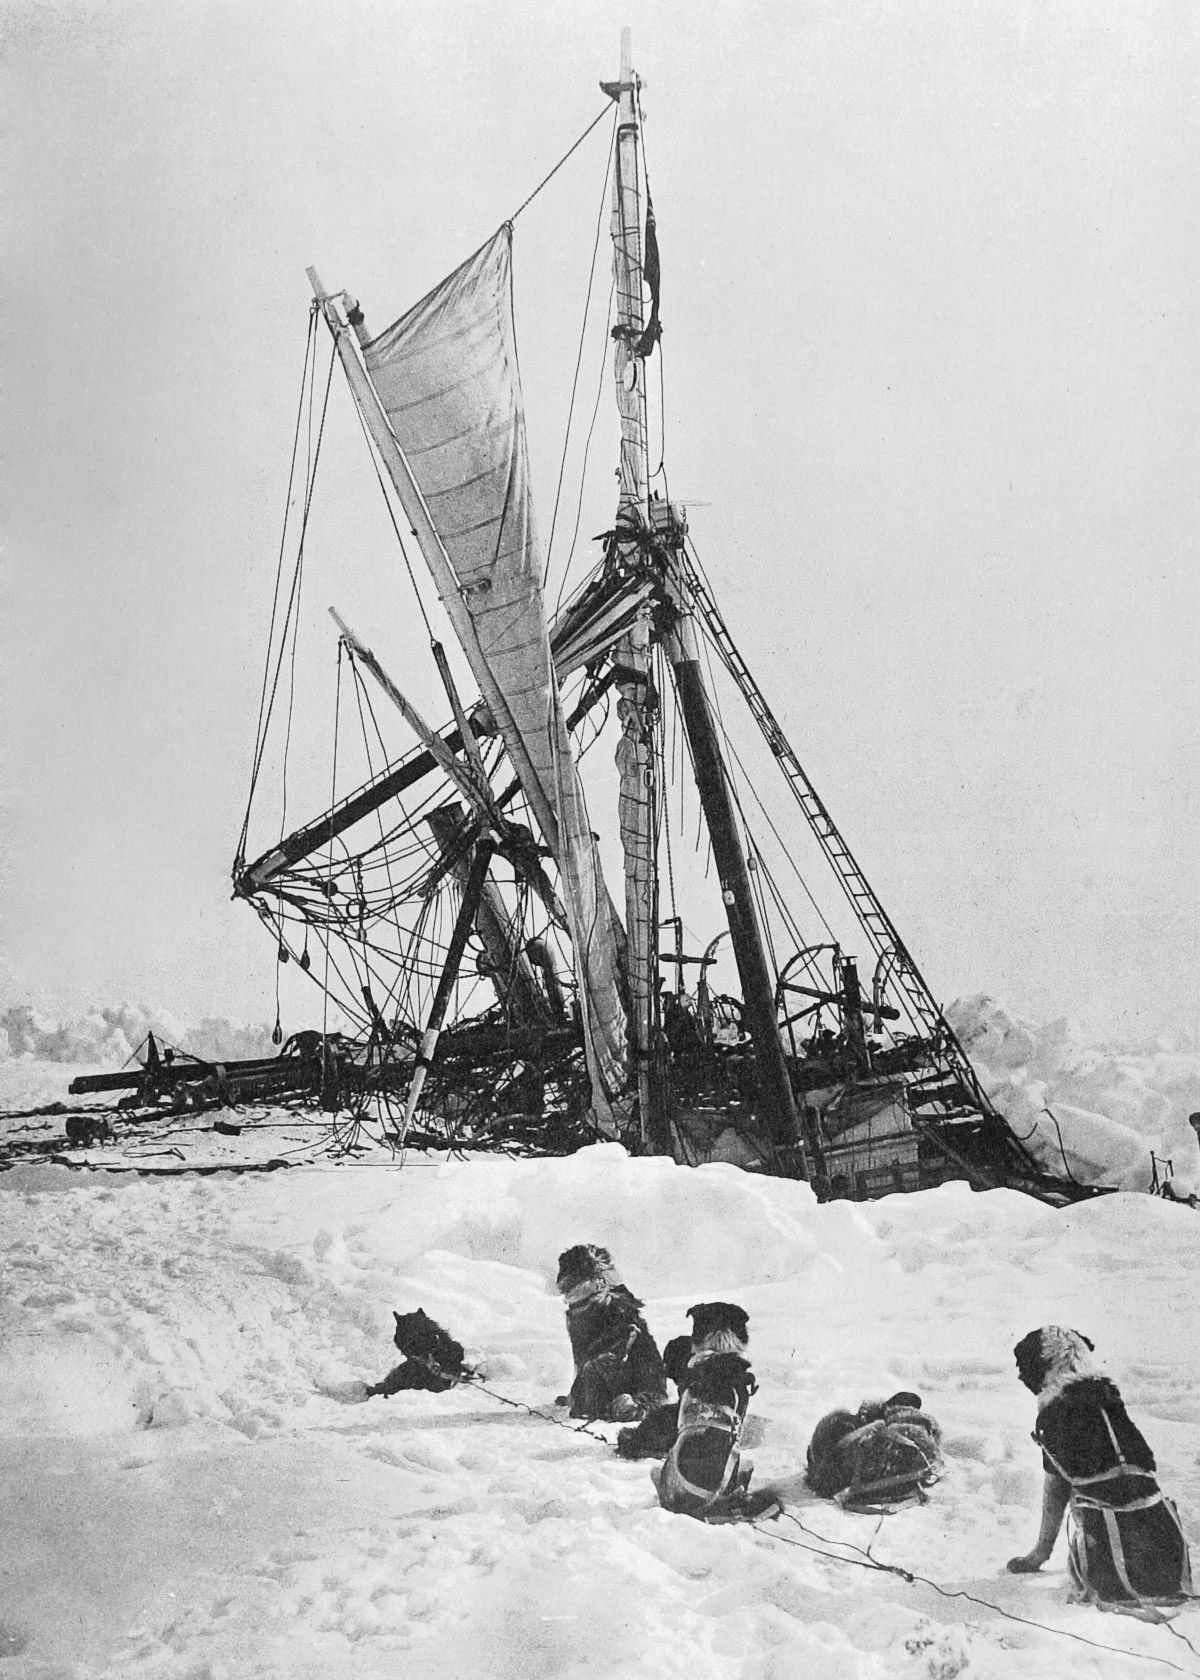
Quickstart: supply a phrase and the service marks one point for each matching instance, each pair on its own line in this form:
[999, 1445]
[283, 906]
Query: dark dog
[703, 1475]
[717, 1327]
[433, 1359]
[1126, 1550]
[878, 1458]
[618, 1370]
[83, 1130]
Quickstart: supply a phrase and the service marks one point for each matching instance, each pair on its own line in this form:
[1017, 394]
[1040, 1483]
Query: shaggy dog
[881, 1456]
[1126, 1547]
[717, 1327]
[703, 1475]
[434, 1360]
[618, 1371]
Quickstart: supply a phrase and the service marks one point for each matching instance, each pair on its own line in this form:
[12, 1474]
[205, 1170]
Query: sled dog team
[1126, 1546]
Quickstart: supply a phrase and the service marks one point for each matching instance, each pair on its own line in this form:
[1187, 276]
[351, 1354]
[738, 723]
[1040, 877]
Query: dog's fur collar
[591, 1289]
[720, 1341]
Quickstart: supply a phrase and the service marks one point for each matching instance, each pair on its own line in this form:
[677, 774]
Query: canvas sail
[446, 379]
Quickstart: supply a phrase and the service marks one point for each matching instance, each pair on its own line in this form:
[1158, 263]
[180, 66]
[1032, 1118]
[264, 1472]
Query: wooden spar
[511, 971]
[758, 991]
[344, 815]
[302, 841]
[460, 716]
[437, 559]
[460, 774]
[472, 892]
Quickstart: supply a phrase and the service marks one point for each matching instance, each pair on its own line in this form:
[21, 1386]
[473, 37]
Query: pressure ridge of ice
[1095, 1112]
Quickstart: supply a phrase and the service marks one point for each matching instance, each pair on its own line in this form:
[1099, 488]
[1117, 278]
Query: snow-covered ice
[190, 1491]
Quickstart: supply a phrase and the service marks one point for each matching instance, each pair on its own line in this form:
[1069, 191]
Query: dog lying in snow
[703, 1474]
[881, 1456]
[618, 1370]
[433, 1359]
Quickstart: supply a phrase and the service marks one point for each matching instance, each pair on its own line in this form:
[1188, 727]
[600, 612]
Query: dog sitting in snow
[1126, 1549]
[703, 1475]
[618, 1370]
[433, 1359]
[718, 1327]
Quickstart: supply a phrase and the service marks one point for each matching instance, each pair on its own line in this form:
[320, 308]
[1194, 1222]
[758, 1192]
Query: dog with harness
[433, 1359]
[703, 1474]
[618, 1369]
[879, 1458]
[1126, 1548]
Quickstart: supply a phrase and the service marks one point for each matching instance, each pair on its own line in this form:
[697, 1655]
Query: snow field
[196, 1496]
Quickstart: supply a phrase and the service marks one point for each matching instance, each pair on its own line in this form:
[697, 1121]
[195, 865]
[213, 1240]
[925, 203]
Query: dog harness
[880, 1493]
[1088, 1490]
[696, 1416]
[1100, 1493]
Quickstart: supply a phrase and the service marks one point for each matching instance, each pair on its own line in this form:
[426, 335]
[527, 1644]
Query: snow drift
[190, 1494]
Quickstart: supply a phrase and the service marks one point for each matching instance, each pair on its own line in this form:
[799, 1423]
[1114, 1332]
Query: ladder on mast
[863, 900]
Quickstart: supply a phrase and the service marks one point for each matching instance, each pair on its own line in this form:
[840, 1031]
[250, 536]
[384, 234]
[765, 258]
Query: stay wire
[361, 695]
[586, 452]
[546, 179]
[387, 502]
[294, 596]
[263, 714]
[562, 465]
[660, 470]
[911, 1576]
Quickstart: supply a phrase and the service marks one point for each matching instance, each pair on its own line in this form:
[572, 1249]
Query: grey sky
[931, 359]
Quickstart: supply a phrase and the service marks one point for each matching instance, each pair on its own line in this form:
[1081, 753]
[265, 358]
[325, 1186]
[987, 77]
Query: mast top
[628, 83]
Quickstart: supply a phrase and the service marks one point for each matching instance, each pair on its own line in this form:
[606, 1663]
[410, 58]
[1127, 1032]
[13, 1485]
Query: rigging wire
[586, 451]
[263, 715]
[546, 179]
[387, 502]
[562, 466]
[661, 469]
[332, 802]
[294, 596]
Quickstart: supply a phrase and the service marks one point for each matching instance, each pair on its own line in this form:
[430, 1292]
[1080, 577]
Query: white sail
[445, 376]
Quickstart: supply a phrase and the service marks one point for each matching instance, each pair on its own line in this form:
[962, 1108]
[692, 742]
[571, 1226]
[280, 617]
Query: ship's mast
[636, 754]
[655, 525]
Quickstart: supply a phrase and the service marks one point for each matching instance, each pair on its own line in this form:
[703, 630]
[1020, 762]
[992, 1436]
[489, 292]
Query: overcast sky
[932, 380]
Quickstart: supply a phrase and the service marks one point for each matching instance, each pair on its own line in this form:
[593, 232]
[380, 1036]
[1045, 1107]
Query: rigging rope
[260, 726]
[548, 178]
[660, 470]
[293, 606]
[337, 711]
[586, 451]
[387, 502]
[562, 466]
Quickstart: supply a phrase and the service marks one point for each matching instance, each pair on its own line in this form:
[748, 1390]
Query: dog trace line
[866, 1561]
[520, 1405]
